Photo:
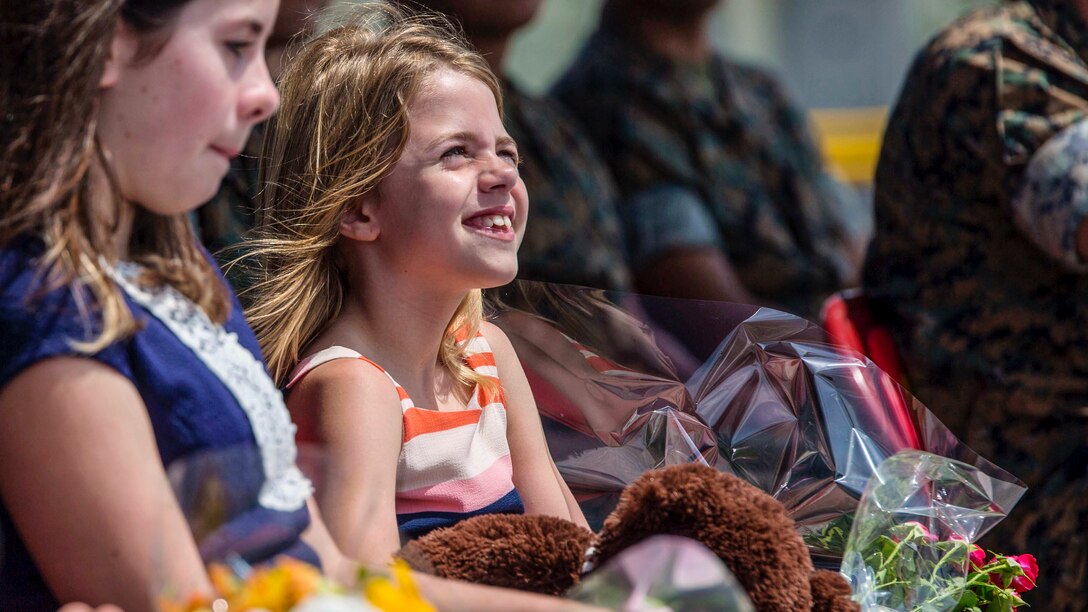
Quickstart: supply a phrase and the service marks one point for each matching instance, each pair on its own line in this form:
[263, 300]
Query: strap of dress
[340, 352]
[479, 357]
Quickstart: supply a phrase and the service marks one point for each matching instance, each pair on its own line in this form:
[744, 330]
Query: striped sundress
[452, 464]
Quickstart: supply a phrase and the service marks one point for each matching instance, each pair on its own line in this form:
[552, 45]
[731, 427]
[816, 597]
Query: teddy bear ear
[536, 553]
[831, 592]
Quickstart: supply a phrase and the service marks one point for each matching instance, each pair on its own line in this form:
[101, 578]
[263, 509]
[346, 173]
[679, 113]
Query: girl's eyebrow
[255, 27]
[443, 138]
[501, 141]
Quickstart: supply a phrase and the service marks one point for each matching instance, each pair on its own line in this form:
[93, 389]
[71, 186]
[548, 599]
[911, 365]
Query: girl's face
[171, 123]
[452, 210]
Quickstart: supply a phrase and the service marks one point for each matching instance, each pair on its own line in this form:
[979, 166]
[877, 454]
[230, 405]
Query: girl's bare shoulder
[346, 379]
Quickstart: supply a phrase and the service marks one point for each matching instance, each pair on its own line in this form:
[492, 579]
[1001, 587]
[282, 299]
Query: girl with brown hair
[122, 345]
[392, 196]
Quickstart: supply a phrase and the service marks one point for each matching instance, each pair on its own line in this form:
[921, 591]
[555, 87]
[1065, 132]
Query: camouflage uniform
[712, 154]
[573, 235]
[992, 328]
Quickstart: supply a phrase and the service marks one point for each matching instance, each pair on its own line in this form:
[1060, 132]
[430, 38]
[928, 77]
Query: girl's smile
[496, 223]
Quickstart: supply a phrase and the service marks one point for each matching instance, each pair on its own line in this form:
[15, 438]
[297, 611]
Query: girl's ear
[359, 221]
[123, 49]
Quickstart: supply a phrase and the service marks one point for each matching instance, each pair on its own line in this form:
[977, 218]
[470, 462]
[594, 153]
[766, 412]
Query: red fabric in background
[850, 323]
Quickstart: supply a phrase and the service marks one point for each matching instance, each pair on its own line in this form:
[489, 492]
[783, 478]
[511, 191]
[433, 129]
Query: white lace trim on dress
[285, 488]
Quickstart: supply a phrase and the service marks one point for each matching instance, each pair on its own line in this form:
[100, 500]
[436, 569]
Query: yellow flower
[224, 582]
[303, 579]
[288, 582]
[265, 588]
[398, 594]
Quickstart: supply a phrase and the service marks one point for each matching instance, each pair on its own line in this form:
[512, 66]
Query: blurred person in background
[575, 236]
[723, 193]
[978, 262]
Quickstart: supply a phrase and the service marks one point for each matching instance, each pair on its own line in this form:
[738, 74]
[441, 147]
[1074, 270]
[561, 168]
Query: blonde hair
[53, 171]
[342, 125]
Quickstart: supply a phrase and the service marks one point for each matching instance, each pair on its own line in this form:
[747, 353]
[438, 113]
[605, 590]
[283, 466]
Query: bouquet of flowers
[910, 546]
[990, 582]
[627, 383]
[996, 581]
[290, 585]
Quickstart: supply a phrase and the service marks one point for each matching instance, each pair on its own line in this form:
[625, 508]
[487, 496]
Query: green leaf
[969, 601]
[999, 606]
[833, 536]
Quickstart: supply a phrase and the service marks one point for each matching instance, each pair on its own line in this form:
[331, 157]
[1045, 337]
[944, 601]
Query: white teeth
[500, 221]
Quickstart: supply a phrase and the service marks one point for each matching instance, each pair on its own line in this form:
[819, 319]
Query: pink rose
[977, 556]
[1026, 582]
[925, 532]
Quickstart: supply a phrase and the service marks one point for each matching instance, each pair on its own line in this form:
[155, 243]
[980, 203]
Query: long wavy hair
[342, 125]
[55, 181]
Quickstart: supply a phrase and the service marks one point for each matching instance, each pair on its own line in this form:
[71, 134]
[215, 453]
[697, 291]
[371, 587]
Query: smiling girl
[393, 196]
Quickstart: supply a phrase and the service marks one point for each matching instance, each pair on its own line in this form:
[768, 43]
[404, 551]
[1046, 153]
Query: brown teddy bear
[748, 530]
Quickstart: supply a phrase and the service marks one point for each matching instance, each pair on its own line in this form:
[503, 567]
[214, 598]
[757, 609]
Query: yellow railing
[850, 140]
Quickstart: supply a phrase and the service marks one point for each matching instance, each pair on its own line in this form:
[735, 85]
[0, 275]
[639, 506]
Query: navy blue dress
[204, 434]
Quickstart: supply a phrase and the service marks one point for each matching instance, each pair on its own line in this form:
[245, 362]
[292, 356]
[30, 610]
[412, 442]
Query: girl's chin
[180, 202]
[500, 278]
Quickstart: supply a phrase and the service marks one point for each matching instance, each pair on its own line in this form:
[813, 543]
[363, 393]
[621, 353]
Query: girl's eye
[238, 47]
[512, 155]
[454, 152]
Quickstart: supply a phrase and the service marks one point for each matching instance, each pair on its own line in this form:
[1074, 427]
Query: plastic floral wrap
[218, 491]
[627, 383]
[911, 543]
[664, 573]
[255, 556]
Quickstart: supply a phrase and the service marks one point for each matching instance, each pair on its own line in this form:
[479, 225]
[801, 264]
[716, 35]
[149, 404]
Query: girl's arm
[449, 596]
[535, 475]
[358, 418]
[446, 595]
[83, 480]
[334, 564]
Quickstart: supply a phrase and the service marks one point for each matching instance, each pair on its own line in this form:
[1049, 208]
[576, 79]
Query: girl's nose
[259, 98]
[500, 174]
